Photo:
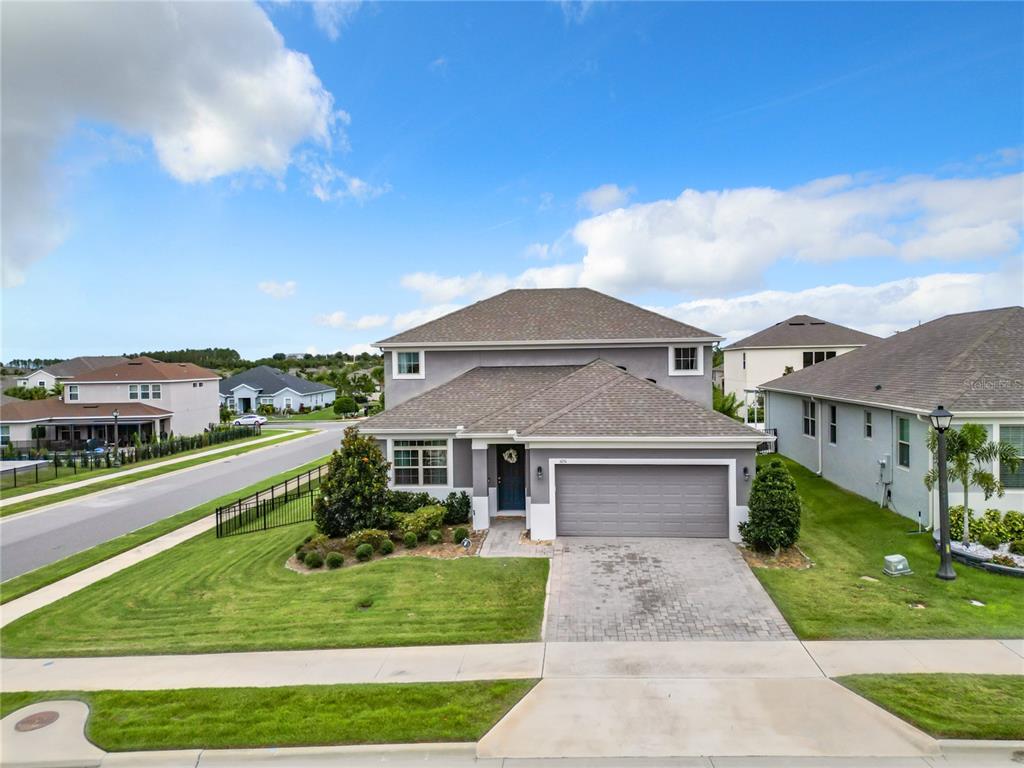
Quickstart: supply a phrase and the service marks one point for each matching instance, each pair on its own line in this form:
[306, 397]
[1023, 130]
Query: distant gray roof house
[76, 366]
[972, 363]
[804, 331]
[594, 400]
[269, 381]
[547, 315]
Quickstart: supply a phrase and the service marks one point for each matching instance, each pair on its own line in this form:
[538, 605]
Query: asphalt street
[33, 539]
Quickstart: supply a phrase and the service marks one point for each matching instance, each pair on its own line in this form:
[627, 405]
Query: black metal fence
[769, 446]
[286, 503]
[51, 465]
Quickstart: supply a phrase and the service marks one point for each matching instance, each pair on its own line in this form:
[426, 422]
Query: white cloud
[211, 86]
[311, 350]
[537, 251]
[340, 319]
[278, 290]
[879, 309]
[358, 349]
[575, 11]
[604, 198]
[423, 315]
[332, 16]
[329, 182]
[433, 288]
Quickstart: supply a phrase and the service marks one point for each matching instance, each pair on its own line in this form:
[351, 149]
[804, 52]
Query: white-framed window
[686, 361]
[266, 401]
[287, 403]
[819, 356]
[71, 390]
[1014, 435]
[810, 418]
[421, 462]
[156, 390]
[744, 361]
[903, 443]
[869, 428]
[230, 403]
[833, 424]
[5, 435]
[408, 364]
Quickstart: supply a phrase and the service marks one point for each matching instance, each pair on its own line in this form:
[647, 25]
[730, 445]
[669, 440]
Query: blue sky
[743, 163]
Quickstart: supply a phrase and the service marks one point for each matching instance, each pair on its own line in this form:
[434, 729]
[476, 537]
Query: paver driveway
[657, 589]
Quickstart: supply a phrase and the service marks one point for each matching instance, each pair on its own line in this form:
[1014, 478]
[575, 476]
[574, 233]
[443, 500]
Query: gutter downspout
[931, 494]
[817, 425]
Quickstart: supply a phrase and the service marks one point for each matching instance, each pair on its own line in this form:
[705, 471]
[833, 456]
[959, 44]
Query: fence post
[15, 477]
[37, 472]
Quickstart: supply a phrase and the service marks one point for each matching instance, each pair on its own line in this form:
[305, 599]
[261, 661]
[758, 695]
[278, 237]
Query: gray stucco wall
[852, 463]
[462, 463]
[542, 457]
[646, 362]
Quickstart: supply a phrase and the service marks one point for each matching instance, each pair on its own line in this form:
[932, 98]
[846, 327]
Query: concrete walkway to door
[654, 589]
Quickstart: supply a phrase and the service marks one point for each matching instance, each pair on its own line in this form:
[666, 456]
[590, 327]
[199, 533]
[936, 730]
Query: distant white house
[47, 376]
[265, 385]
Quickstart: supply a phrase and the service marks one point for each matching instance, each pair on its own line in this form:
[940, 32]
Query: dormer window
[686, 361]
[408, 365]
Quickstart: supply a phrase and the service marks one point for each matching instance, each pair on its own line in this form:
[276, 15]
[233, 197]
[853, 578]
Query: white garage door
[641, 500]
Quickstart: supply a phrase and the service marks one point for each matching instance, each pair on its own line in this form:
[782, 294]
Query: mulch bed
[790, 558]
[446, 550]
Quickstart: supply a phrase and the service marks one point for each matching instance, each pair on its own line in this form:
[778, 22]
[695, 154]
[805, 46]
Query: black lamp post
[116, 414]
[941, 419]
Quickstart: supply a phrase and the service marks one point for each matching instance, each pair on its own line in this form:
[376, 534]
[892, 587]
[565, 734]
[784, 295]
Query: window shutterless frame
[686, 361]
[420, 462]
[869, 428]
[833, 424]
[408, 364]
[810, 420]
[903, 443]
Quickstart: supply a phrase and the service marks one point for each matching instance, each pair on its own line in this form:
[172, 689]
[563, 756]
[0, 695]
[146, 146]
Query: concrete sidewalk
[679, 660]
[7, 501]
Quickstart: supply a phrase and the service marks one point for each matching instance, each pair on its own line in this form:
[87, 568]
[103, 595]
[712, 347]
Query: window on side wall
[810, 418]
[833, 424]
[903, 443]
[409, 365]
[685, 361]
[744, 361]
[5, 435]
[156, 391]
[72, 392]
[869, 428]
[421, 462]
[1014, 435]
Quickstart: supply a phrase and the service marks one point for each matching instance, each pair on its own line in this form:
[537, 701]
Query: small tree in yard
[345, 405]
[354, 492]
[774, 510]
[969, 453]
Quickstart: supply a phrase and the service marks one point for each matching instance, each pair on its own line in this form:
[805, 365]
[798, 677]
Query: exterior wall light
[540, 472]
[746, 474]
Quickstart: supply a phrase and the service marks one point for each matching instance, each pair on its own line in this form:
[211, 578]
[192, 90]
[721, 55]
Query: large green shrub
[353, 493]
[422, 520]
[345, 405]
[1013, 525]
[405, 502]
[458, 508]
[774, 506]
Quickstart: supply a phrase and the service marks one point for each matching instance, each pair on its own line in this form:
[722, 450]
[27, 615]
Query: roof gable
[546, 315]
[146, 369]
[804, 331]
[79, 365]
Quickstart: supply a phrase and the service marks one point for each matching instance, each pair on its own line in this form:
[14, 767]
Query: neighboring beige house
[150, 397]
[793, 344]
[49, 375]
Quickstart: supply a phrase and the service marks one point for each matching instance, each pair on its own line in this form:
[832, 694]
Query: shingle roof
[804, 331]
[147, 369]
[967, 362]
[79, 365]
[534, 315]
[594, 400]
[55, 408]
[268, 380]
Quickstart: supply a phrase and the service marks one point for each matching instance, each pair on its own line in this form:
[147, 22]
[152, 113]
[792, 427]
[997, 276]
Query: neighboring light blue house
[263, 385]
[861, 419]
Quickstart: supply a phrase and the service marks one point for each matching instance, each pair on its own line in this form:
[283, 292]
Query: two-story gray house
[582, 413]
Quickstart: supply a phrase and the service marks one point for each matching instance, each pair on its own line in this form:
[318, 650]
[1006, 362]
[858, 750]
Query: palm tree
[969, 452]
[725, 403]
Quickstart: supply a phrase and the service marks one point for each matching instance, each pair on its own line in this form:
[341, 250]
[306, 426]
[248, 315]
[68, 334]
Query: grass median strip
[210, 595]
[118, 478]
[847, 537]
[949, 706]
[29, 582]
[225, 718]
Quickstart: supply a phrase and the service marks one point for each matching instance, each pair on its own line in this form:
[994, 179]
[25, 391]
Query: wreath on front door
[511, 455]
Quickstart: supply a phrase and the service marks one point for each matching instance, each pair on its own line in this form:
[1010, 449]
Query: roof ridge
[535, 392]
[569, 407]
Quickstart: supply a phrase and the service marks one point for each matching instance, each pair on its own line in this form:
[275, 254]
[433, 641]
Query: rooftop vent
[877, 387]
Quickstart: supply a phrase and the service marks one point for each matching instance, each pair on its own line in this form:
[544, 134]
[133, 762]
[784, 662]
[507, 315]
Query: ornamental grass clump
[774, 505]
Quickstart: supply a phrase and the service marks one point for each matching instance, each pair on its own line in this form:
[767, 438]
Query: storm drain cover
[36, 721]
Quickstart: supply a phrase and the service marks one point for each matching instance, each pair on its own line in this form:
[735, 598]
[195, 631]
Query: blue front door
[511, 478]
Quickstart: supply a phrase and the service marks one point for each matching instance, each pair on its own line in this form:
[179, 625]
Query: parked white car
[250, 420]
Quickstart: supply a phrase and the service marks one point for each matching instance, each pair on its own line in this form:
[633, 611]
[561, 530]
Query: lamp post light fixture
[116, 414]
[941, 419]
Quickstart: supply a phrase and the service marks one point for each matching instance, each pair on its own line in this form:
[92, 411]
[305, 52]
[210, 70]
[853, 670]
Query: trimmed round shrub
[314, 559]
[372, 536]
[434, 537]
[387, 547]
[989, 540]
[334, 560]
[364, 552]
[458, 508]
[301, 555]
[774, 504]
[1017, 547]
[459, 534]
[410, 540]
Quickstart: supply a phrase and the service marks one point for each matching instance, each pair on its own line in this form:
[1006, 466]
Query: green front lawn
[949, 706]
[324, 414]
[224, 718]
[235, 594]
[847, 537]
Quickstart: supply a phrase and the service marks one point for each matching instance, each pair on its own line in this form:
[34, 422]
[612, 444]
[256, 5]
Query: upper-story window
[408, 365]
[810, 358]
[685, 361]
[71, 390]
[144, 391]
[744, 361]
